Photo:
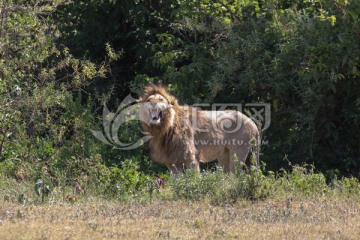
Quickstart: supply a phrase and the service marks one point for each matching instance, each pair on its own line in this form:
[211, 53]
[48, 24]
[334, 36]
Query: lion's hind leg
[224, 160]
[238, 154]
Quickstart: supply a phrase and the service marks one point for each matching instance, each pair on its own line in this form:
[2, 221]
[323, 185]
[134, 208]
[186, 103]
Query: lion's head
[157, 106]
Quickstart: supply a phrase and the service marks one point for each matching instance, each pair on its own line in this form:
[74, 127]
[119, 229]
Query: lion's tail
[258, 143]
[257, 150]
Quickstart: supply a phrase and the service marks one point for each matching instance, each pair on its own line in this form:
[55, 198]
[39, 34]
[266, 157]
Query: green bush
[220, 187]
[347, 186]
[123, 181]
[302, 181]
[255, 184]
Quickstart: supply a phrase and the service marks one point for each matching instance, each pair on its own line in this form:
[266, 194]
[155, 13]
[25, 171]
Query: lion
[184, 136]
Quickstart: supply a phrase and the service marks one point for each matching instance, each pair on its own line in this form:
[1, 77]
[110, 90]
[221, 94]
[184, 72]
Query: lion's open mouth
[156, 115]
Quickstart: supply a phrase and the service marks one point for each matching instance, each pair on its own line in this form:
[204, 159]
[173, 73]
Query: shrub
[220, 187]
[301, 180]
[121, 181]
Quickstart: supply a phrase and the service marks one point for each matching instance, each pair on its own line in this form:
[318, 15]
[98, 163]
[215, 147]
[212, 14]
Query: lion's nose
[153, 104]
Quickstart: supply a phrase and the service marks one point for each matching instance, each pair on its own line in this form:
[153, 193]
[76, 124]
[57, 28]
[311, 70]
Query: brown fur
[176, 141]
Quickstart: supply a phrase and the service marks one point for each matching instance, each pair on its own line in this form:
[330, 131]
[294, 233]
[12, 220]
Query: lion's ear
[173, 101]
[139, 100]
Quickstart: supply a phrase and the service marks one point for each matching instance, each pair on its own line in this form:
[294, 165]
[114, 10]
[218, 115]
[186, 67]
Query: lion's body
[185, 136]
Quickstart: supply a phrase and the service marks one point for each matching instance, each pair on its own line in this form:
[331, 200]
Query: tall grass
[255, 184]
[127, 184]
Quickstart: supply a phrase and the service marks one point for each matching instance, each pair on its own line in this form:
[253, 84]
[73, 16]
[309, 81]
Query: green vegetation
[61, 61]
[128, 184]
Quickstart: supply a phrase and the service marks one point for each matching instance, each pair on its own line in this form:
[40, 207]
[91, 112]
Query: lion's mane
[170, 142]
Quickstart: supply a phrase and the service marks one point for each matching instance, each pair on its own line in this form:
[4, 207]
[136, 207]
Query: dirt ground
[100, 219]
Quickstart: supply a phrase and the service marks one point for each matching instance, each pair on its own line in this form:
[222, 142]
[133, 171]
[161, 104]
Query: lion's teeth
[155, 113]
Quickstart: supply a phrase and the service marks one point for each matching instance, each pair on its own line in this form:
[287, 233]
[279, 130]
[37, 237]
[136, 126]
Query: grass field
[308, 218]
[298, 204]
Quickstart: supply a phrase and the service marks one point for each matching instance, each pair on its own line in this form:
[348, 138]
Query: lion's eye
[148, 100]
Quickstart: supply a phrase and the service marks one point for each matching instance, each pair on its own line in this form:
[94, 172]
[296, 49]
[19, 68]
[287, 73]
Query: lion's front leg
[173, 169]
[187, 160]
[191, 161]
[193, 164]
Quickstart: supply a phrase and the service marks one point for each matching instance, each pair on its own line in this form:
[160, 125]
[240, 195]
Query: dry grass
[100, 219]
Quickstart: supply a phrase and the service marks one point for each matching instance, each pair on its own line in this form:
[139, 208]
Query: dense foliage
[60, 61]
